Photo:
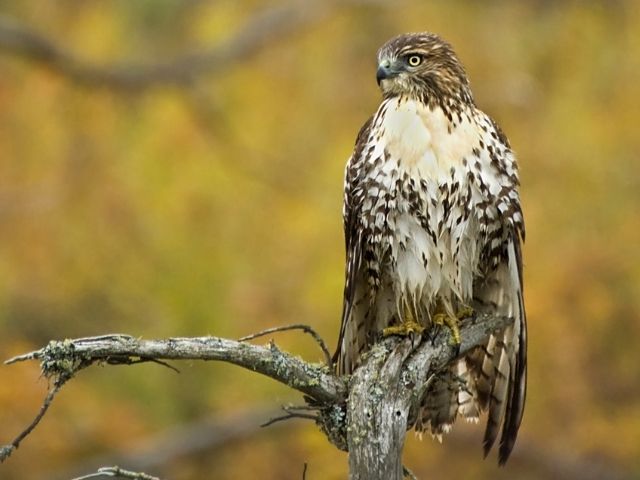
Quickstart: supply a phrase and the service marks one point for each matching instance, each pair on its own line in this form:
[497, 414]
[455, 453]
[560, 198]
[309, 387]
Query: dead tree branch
[263, 28]
[386, 391]
[298, 326]
[367, 415]
[7, 450]
[70, 356]
[117, 472]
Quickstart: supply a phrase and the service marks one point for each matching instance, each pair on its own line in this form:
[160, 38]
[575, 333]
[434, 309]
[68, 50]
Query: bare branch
[288, 416]
[263, 28]
[117, 472]
[292, 412]
[61, 360]
[7, 450]
[368, 416]
[299, 326]
[69, 356]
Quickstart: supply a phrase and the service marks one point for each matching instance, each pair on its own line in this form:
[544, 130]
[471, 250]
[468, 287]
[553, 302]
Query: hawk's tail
[451, 393]
[500, 367]
[492, 378]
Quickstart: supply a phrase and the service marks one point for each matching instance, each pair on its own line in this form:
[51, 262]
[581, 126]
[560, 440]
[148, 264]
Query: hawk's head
[421, 65]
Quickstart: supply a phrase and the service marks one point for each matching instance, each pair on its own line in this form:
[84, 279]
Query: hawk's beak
[385, 71]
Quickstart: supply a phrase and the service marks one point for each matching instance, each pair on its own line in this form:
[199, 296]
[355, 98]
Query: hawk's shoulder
[352, 174]
[362, 138]
[499, 132]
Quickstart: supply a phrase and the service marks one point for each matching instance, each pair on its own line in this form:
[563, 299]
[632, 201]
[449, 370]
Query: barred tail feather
[500, 367]
[451, 393]
[515, 405]
[499, 391]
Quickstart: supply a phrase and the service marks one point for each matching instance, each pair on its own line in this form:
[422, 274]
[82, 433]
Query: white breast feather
[419, 143]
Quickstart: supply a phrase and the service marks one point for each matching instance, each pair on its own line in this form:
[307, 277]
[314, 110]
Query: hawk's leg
[464, 312]
[444, 319]
[409, 326]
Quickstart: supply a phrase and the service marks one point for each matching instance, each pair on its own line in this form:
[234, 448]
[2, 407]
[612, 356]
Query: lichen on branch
[382, 392]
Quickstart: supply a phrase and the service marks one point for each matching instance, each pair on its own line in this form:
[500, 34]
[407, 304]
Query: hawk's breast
[419, 176]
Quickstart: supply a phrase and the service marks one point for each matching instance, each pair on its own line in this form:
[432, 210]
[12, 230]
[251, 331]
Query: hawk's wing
[501, 366]
[353, 195]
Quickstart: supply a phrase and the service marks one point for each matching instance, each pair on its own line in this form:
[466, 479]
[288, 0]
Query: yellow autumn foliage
[214, 207]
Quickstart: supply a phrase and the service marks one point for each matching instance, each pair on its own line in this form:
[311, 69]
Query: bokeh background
[174, 168]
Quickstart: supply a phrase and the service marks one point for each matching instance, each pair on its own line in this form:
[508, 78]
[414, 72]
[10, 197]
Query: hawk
[433, 230]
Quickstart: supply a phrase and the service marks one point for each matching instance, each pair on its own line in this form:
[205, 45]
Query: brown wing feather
[515, 404]
[500, 366]
[352, 244]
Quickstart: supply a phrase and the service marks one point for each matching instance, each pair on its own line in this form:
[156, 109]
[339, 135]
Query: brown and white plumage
[433, 222]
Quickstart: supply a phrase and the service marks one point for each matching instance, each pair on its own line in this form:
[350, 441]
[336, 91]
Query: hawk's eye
[414, 60]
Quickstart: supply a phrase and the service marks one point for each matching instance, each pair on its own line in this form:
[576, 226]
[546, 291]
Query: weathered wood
[69, 356]
[386, 390]
[367, 414]
[377, 414]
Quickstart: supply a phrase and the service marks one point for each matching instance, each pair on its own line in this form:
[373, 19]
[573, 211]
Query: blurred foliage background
[173, 168]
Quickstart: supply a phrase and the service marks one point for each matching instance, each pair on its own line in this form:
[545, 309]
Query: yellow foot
[464, 312]
[404, 329]
[451, 322]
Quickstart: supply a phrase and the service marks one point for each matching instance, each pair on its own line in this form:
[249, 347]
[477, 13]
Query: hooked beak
[385, 71]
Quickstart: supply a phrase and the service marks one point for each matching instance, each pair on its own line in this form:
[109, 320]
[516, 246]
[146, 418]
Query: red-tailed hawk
[433, 228]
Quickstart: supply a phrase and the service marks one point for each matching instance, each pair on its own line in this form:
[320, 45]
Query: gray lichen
[60, 361]
[332, 420]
